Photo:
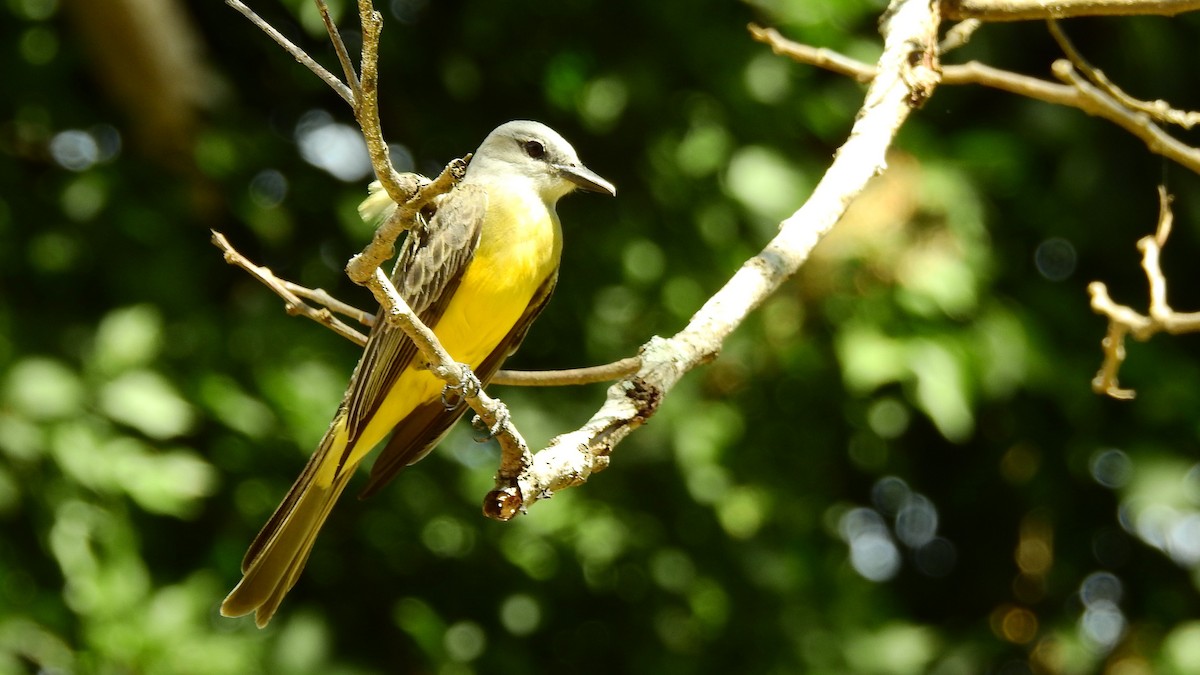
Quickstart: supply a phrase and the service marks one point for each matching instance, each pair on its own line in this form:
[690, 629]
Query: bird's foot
[468, 386]
[489, 433]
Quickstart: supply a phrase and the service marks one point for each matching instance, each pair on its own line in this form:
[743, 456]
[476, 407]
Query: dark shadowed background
[895, 466]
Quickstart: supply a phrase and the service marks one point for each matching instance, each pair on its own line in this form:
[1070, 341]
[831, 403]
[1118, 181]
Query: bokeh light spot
[767, 78]
[1100, 587]
[1055, 259]
[337, 148]
[446, 537]
[936, 559]
[602, 102]
[74, 149]
[268, 188]
[1014, 624]
[765, 182]
[1102, 625]
[1111, 468]
[1183, 540]
[888, 418]
[872, 553]
[889, 494]
[1020, 464]
[917, 521]
[643, 261]
[464, 641]
[38, 45]
[520, 614]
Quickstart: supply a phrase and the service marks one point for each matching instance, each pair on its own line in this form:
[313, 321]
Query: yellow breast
[518, 250]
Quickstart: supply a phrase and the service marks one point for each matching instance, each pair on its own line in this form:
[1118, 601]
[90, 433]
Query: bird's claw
[490, 432]
[468, 386]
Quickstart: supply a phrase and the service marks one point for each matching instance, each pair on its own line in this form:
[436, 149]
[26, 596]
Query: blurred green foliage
[895, 466]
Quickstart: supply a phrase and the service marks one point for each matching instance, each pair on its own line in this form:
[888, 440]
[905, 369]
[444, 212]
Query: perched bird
[481, 272]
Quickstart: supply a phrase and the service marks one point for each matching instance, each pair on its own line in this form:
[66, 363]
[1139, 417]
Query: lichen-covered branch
[905, 76]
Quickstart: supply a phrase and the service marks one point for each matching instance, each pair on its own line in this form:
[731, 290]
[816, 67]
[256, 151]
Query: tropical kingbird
[478, 275]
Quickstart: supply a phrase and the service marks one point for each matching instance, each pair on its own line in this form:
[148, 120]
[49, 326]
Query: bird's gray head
[533, 151]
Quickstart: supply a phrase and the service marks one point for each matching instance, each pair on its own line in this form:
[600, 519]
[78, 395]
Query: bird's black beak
[586, 179]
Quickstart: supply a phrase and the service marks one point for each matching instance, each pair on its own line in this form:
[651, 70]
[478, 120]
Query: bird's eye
[534, 149]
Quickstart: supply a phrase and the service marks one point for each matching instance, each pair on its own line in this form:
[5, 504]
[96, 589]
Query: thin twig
[292, 302]
[367, 110]
[297, 53]
[1035, 10]
[1076, 93]
[1123, 320]
[559, 378]
[323, 298]
[1159, 110]
[339, 47]
[959, 35]
[293, 293]
[458, 376]
[1095, 101]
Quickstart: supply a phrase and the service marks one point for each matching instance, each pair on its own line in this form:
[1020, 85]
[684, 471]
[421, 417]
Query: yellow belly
[518, 250]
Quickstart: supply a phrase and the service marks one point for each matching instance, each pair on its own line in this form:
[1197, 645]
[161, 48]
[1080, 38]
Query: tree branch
[292, 294]
[412, 193]
[1030, 10]
[296, 52]
[1077, 92]
[288, 291]
[907, 74]
[1124, 320]
[383, 243]
[558, 378]
[1159, 110]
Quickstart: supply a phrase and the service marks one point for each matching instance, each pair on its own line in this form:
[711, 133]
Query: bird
[478, 275]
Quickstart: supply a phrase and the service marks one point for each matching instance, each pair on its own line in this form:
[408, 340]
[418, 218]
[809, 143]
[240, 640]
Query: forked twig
[296, 52]
[1123, 320]
[1075, 92]
[292, 299]
[1159, 110]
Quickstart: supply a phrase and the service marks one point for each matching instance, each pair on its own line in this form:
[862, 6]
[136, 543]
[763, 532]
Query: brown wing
[427, 274]
[428, 424]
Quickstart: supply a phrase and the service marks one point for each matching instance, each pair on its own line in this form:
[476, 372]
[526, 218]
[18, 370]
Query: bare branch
[1159, 110]
[367, 111]
[814, 56]
[458, 376]
[383, 244]
[1032, 10]
[1124, 320]
[339, 46]
[286, 290]
[558, 378]
[959, 35]
[1077, 93]
[907, 75]
[297, 53]
[1096, 102]
[324, 299]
